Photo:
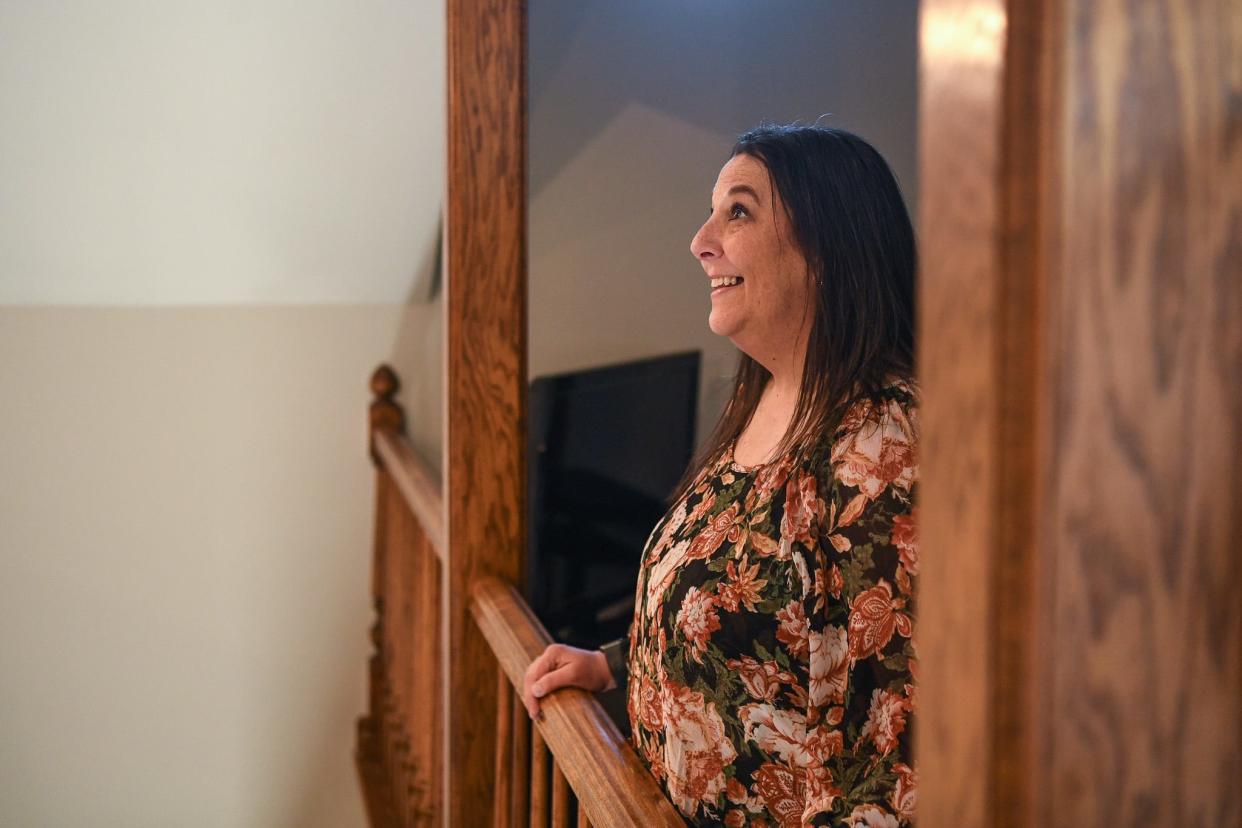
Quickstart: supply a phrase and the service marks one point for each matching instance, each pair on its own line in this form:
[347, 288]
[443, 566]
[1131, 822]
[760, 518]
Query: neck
[785, 365]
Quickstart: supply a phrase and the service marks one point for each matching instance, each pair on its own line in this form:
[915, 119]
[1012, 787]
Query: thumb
[551, 681]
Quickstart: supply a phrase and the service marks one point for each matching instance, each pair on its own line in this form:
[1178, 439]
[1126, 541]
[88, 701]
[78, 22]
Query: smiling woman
[770, 665]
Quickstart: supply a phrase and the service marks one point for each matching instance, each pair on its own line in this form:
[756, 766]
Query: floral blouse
[771, 665]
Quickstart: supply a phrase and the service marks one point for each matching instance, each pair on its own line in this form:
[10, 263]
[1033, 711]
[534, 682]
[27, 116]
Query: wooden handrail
[418, 483]
[605, 772]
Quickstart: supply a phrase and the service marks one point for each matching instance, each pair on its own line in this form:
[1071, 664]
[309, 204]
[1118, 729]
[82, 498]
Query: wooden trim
[485, 350]
[419, 485]
[603, 770]
[982, 109]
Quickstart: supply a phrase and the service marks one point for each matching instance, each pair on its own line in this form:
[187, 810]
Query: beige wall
[212, 218]
[184, 524]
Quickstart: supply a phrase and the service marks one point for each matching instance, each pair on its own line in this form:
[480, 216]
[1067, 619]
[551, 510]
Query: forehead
[742, 169]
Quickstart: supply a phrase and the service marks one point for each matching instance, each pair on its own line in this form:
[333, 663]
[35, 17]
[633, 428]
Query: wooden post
[1080, 633]
[485, 227]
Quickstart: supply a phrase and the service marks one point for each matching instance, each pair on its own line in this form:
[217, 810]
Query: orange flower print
[848, 515]
[709, 539]
[802, 508]
[821, 792]
[878, 454]
[873, 618]
[701, 508]
[870, 816]
[836, 582]
[649, 712]
[886, 719]
[776, 731]
[769, 479]
[905, 539]
[830, 665]
[905, 794]
[697, 620]
[696, 749]
[827, 582]
[762, 679]
[741, 586]
[670, 530]
[735, 818]
[823, 743]
[793, 629]
[735, 791]
[782, 789]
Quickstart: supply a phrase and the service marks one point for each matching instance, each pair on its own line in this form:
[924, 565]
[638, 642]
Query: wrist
[614, 653]
[602, 669]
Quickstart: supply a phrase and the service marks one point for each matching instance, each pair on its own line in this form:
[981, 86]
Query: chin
[721, 324]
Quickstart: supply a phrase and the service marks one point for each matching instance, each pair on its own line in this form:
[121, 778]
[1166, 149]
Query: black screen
[606, 448]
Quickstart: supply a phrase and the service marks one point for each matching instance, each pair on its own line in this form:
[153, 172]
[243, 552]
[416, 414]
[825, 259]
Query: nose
[705, 245]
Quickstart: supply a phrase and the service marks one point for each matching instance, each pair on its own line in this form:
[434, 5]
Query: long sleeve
[859, 604]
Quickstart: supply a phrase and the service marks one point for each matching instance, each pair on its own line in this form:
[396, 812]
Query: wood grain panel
[1144, 480]
[485, 228]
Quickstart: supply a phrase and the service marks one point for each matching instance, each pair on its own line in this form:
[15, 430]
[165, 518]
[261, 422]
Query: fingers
[545, 663]
[556, 667]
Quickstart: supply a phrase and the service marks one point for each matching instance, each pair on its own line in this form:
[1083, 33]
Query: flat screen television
[606, 447]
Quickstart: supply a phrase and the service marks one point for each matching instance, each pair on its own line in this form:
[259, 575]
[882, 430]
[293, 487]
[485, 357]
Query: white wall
[211, 217]
[633, 109]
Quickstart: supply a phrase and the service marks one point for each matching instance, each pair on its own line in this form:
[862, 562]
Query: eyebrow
[740, 188]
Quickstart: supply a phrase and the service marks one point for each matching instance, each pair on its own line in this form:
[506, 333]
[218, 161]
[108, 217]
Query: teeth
[725, 281]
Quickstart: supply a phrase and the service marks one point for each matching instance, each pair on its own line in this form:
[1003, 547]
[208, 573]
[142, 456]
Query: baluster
[504, 747]
[560, 797]
[538, 779]
[518, 786]
[583, 820]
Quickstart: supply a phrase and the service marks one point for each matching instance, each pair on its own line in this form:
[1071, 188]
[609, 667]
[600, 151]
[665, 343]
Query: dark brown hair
[851, 225]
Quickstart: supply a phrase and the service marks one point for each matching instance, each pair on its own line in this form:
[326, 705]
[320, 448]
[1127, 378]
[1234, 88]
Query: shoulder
[875, 444]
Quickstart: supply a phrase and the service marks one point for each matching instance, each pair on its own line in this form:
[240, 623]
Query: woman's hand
[563, 666]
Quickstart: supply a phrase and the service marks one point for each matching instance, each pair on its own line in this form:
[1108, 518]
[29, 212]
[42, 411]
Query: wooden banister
[418, 483]
[613, 787]
[400, 738]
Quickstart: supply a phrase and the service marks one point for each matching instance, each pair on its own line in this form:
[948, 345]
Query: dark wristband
[615, 654]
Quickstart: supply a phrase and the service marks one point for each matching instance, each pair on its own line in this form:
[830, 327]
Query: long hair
[852, 227]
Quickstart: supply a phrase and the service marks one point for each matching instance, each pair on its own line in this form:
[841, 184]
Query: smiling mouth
[725, 282]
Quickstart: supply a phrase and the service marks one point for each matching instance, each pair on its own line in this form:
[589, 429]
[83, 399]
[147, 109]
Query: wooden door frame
[986, 70]
[485, 377]
[986, 142]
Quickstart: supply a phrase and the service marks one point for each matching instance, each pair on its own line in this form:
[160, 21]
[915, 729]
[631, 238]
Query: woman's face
[747, 240]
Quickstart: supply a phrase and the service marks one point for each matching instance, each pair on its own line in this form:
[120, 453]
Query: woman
[770, 665]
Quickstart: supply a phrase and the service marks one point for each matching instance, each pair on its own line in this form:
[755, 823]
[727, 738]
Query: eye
[736, 209]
